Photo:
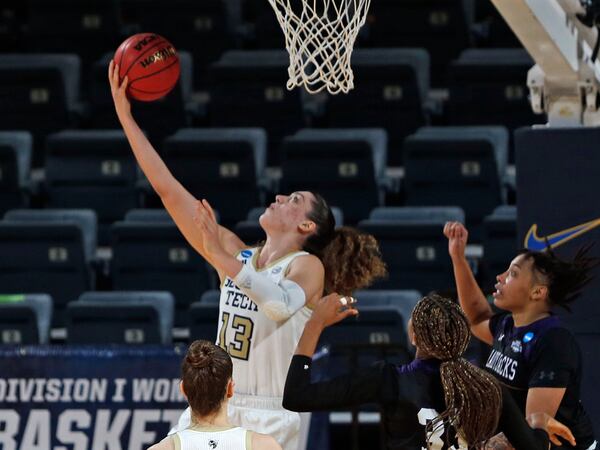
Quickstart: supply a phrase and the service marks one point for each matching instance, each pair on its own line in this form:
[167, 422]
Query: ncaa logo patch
[276, 270]
[246, 253]
[528, 337]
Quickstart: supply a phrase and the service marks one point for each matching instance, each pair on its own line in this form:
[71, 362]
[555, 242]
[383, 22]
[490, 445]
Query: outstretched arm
[471, 298]
[180, 204]
[361, 386]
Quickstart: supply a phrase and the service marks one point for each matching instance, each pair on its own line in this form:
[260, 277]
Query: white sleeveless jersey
[260, 348]
[198, 438]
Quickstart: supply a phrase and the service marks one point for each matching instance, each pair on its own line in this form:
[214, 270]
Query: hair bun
[200, 358]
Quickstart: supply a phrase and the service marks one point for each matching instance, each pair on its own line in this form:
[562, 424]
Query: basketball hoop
[319, 37]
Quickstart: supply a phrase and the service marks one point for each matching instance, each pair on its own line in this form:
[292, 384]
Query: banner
[88, 398]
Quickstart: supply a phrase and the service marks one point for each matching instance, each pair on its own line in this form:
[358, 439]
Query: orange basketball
[151, 63]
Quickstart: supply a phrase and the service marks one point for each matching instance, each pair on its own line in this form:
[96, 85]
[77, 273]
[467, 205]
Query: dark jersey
[409, 397]
[541, 354]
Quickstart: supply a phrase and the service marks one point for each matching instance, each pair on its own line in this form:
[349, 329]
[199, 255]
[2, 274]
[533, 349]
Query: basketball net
[319, 40]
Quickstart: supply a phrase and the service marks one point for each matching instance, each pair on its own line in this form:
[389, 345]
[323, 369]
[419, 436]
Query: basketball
[151, 64]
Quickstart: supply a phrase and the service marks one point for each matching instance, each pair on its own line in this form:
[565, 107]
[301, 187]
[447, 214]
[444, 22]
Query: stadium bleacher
[89, 255]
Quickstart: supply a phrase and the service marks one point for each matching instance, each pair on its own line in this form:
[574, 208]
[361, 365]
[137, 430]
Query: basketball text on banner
[88, 398]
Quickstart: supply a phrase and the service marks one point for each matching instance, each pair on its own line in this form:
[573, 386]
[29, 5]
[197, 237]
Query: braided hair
[473, 397]
[564, 279]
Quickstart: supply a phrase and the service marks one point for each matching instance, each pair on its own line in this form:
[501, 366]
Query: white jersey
[212, 438]
[260, 348]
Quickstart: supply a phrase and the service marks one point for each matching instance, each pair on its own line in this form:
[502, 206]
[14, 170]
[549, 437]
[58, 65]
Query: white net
[319, 36]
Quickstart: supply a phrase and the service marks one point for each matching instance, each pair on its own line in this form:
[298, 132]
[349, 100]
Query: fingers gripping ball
[151, 64]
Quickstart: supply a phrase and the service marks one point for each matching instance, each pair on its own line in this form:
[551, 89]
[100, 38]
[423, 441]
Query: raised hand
[457, 236]
[205, 219]
[333, 309]
[118, 90]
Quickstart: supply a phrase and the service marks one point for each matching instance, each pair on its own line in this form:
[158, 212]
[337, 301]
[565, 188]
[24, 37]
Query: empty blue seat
[211, 297]
[499, 243]
[225, 166]
[148, 215]
[377, 333]
[403, 300]
[25, 318]
[258, 77]
[120, 318]
[48, 251]
[86, 28]
[85, 168]
[155, 256]
[346, 166]
[203, 319]
[392, 86]
[12, 25]
[461, 166]
[414, 247]
[205, 29]
[489, 87]
[15, 167]
[159, 118]
[40, 93]
[440, 26]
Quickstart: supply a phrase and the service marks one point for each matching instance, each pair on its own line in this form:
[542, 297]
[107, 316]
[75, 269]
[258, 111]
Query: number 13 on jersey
[240, 331]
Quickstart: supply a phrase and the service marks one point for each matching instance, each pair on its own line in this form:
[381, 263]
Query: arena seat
[155, 256]
[120, 318]
[25, 319]
[377, 333]
[258, 77]
[392, 86]
[211, 297]
[203, 28]
[15, 167]
[48, 251]
[440, 26]
[85, 168]
[148, 215]
[463, 166]
[346, 166]
[499, 243]
[86, 28]
[225, 166]
[203, 320]
[488, 87]
[40, 94]
[413, 246]
[403, 300]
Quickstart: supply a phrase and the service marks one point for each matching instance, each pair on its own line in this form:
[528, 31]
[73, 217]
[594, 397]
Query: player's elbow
[277, 311]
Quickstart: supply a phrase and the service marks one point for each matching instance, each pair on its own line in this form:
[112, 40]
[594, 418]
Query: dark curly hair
[352, 259]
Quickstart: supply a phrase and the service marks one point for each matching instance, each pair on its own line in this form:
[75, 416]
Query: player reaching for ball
[266, 291]
[532, 353]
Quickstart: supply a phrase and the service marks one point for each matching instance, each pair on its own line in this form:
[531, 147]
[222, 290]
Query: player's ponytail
[473, 397]
[351, 259]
